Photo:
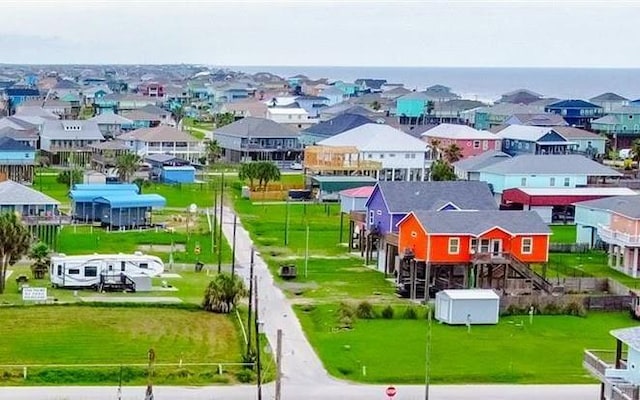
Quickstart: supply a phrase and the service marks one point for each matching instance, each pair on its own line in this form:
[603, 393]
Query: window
[90, 271]
[59, 270]
[523, 182]
[485, 145]
[476, 144]
[454, 245]
[527, 245]
[392, 155]
[369, 155]
[484, 246]
[371, 217]
[144, 266]
[567, 181]
[381, 155]
[413, 155]
[474, 245]
[414, 234]
[379, 212]
[552, 181]
[407, 155]
[290, 116]
[74, 271]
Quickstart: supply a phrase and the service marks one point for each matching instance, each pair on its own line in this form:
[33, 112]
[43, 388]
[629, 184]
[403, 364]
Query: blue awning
[87, 196]
[106, 188]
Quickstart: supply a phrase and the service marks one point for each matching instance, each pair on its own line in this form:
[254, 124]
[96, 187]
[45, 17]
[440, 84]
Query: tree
[452, 153]
[248, 171]
[635, 151]
[127, 164]
[435, 148]
[39, 253]
[223, 293]
[224, 119]
[442, 171]
[267, 172]
[178, 113]
[69, 177]
[429, 106]
[376, 105]
[15, 241]
[213, 150]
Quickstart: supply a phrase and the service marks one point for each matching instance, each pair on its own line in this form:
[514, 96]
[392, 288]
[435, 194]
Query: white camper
[131, 272]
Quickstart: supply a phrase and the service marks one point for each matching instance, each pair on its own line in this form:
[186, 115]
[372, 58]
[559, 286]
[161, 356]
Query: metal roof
[10, 144]
[375, 138]
[338, 124]
[470, 294]
[256, 128]
[108, 187]
[547, 164]
[456, 131]
[629, 206]
[477, 222]
[125, 200]
[482, 160]
[628, 336]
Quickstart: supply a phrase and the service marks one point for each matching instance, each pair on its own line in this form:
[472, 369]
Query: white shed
[462, 306]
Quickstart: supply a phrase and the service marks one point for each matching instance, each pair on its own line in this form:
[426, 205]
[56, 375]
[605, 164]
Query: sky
[440, 33]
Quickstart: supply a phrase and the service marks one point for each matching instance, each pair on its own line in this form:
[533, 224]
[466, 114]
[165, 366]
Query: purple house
[392, 201]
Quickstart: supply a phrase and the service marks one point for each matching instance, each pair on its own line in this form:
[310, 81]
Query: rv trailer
[104, 272]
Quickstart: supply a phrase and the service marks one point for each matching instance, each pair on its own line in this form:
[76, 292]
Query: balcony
[18, 161]
[618, 238]
[601, 364]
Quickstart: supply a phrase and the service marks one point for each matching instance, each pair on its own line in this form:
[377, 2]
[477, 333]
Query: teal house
[622, 124]
[410, 108]
[349, 89]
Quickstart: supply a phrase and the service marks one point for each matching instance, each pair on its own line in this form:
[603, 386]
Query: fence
[606, 302]
[568, 247]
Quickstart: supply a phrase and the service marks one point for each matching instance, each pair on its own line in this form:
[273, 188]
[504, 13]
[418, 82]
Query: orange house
[452, 245]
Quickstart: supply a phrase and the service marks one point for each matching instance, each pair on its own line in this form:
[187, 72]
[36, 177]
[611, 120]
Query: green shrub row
[347, 312]
[575, 308]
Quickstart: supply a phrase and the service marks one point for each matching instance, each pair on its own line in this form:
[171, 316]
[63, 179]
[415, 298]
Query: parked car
[296, 166]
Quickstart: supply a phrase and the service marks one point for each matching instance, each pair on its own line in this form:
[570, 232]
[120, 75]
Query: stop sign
[391, 391]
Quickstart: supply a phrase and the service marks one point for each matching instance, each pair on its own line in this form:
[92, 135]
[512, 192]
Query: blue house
[523, 139]
[17, 96]
[332, 127]
[170, 169]
[312, 104]
[410, 108]
[82, 195]
[17, 160]
[390, 202]
[578, 113]
[349, 89]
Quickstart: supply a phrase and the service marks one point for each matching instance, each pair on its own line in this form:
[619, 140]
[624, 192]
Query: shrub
[245, 375]
[346, 310]
[410, 313]
[514, 309]
[346, 322]
[575, 308]
[387, 312]
[551, 309]
[365, 310]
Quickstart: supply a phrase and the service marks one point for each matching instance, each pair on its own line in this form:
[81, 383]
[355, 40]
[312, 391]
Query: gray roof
[629, 206]
[17, 123]
[476, 223]
[256, 127]
[550, 165]
[402, 197]
[608, 97]
[628, 336]
[480, 161]
[71, 130]
[111, 119]
[13, 193]
[19, 134]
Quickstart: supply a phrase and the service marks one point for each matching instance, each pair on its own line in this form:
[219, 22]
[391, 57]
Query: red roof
[562, 197]
[364, 192]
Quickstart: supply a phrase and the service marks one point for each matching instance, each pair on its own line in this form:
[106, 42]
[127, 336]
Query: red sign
[391, 391]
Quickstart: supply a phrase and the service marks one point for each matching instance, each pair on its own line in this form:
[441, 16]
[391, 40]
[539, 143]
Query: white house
[164, 139]
[403, 156]
[294, 117]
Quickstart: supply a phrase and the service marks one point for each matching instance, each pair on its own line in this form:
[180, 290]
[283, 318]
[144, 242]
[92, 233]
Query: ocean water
[484, 84]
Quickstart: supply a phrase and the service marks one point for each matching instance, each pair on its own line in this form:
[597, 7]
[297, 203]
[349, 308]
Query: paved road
[304, 375]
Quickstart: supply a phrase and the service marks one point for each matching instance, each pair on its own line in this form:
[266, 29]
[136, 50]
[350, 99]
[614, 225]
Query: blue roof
[573, 104]
[108, 187]
[339, 124]
[124, 200]
[9, 144]
[22, 92]
[87, 196]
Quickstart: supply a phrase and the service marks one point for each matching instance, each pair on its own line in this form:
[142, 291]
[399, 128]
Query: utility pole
[233, 248]
[214, 228]
[250, 301]
[279, 365]
[427, 374]
[220, 233]
[257, 327]
[286, 224]
[306, 255]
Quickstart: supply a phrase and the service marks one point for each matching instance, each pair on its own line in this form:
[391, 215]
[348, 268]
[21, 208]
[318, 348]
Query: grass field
[548, 351]
[563, 233]
[118, 335]
[591, 264]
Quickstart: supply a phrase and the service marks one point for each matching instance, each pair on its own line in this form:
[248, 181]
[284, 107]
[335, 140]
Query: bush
[365, 310]
[245, 375]
[346, 310]
[552, 309]
[575, 308]
[346, 322]
[387, 312]
[411, 313]
[514, 309]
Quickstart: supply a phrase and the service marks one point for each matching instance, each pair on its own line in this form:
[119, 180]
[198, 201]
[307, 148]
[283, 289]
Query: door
[496, 248]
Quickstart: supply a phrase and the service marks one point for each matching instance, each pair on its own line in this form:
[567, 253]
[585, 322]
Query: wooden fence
[568, 247]
[606, 302]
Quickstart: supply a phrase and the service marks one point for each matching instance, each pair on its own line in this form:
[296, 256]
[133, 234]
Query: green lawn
[563, 233]
[548, 351]
[49, 186]
[116, 335]
[593, 263]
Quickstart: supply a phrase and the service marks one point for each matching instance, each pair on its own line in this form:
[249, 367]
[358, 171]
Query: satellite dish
[193, 208]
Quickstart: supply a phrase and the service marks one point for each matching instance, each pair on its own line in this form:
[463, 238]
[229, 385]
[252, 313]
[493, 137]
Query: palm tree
[39, 253]
[213, 151]
[452, 153]
[442, 171]
[15, 241]
[224, 119]
[223, 293]
[376, 105]
[248, 171]
[435, 148]
[127, 164]
[267, 172]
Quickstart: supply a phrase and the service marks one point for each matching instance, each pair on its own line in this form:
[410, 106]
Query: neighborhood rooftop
[550, 165]
[478, 222]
